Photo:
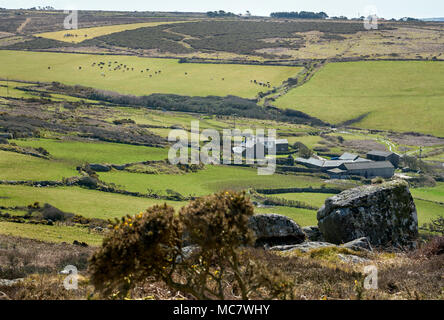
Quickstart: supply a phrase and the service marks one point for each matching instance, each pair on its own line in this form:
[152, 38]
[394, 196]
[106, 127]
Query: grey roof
[368, 165]
[380, 153]
[332, 163]
[281, 141]
[336, 171]
[362, 160]
[323, 163]
[311, 161]
[348, 156]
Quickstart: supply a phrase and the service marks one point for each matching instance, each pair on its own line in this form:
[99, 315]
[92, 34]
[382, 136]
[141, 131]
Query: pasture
[431, 194]
[209, 180]
[303, 217]
[141, 76]
[15, 166]
[78, 152]
[428, 211]
[314, 199]
[84, 202]
[82, 34]
[400, 96]
[55, 234]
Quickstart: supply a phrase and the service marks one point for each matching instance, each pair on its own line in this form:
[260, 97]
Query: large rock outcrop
[384, 213]
[274, 229]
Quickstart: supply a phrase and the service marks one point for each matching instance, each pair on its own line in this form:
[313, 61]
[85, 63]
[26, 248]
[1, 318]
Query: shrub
[49, 212]
[434, 247]
[435, 226]
[140, 246]
[378, 180]
[303, 150]
[217, 265]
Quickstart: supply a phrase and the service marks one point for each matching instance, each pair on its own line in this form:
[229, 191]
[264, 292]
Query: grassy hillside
[431, 194]
[55, 234]
[88, 203]
[399, 96]
[209, 180]
[174, 78]
[78, 152]
[15, 166]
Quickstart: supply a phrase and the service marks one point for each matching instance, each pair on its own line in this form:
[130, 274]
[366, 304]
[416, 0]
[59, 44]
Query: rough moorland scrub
[201, 251]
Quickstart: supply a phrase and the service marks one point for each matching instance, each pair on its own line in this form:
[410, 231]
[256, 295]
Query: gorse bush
[202, 251]
[143, 245]
[219, 221]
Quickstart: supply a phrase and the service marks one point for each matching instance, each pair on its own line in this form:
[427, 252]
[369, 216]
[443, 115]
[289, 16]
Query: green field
[431, 194]
[314, 199]
[8, 89]
[428, 211]
[50, 233]
[15, 166]
[303, 217]
[200, 80]
[78, 152]
[399, 96]
[209, 180]
[88, 203]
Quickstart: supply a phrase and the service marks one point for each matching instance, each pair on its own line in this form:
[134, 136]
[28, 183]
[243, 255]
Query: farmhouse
[376, 155]
[255, 146]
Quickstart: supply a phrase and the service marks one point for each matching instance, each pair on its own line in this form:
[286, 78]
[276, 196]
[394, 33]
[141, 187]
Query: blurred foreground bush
[202, 251]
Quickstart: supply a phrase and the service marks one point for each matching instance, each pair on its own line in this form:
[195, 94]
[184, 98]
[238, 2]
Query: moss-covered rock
[384, 213]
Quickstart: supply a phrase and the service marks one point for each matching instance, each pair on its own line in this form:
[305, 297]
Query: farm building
[5, 135]
[349, 156]
[280, 144]
[350, 164]
[371, 169]
[325, 165]
[252, 145]
[376, 155]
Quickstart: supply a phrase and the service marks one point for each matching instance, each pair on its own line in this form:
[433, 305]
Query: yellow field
[83, 34]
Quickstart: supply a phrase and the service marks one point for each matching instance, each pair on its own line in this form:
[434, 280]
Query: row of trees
[220, 13]
[299, 15]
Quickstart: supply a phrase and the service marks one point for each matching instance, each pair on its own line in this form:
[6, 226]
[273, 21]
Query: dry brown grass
[409, 276]
[21, 257]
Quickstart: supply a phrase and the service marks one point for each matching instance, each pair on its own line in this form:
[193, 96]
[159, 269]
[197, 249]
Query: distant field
[76, 153]
[314, 199]
[15, 166]
[175, 78]
[7, 89]
[88, 203]
[399, 96]
[431, 194]
[50, 233]
[303, 217]
[209, 180]
[428, 211]
[83, 34]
